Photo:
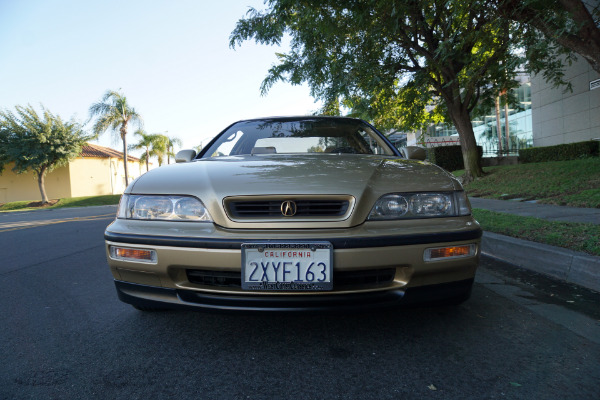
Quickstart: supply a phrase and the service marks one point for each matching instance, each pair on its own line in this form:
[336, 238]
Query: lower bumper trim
[165, 298]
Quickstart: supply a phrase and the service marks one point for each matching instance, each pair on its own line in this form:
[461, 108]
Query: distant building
[561, 116]
[543, 116]
[97, 171]
[490, 130]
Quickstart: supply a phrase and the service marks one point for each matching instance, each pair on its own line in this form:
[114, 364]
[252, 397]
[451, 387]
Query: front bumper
[398, 248]
[156, 297]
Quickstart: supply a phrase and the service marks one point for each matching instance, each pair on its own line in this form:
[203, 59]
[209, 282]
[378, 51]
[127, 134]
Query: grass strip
[573, 183]
[569, 235]
[62, 203]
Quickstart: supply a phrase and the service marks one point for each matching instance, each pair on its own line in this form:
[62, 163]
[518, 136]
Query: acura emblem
[288, 208]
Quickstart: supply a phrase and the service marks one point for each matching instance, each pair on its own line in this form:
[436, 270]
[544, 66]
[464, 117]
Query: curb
[567, 265]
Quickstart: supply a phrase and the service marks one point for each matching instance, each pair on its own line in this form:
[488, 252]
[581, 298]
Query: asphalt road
[65, 335]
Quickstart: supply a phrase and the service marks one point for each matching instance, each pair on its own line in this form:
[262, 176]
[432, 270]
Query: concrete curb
[567, 265]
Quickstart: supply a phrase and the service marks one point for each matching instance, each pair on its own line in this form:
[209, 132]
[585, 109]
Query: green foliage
[570, 235]
[571, 183]
[390, 61]
[552, 31]
[38, 143]
[561, 152]
[449, 157]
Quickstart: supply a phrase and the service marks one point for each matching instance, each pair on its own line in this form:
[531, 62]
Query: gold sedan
[293, 214]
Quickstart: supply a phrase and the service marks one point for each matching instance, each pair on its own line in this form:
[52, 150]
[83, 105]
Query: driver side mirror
[185, 156]
[414, 153]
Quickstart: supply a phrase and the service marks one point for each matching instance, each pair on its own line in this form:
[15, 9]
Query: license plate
[287, 266]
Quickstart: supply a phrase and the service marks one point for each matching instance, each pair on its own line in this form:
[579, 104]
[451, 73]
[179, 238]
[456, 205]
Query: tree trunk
[41, 175]
[506, 126]
[498, 126]
[147, 157]
[124, 138]
[462, 122]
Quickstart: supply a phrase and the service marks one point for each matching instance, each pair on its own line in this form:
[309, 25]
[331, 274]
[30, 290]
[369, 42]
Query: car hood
[364, 177]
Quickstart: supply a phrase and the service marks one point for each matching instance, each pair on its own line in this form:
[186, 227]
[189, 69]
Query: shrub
[561, 152]
[449, 157]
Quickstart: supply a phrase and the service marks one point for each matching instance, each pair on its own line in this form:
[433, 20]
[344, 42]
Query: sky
[170, 58]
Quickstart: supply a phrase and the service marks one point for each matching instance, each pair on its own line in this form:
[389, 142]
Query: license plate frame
[277, 260]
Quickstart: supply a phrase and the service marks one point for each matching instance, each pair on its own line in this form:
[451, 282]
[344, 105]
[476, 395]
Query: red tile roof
[93, 150]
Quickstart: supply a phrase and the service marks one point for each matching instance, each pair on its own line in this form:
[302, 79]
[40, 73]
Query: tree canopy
[38, 143]
[369, 55]
[115, 113]
[552, 28]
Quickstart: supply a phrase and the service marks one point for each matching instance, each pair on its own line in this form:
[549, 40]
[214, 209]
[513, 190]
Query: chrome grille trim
[250, 208]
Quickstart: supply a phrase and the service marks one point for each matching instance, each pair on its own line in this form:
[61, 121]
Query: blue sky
[170, 58]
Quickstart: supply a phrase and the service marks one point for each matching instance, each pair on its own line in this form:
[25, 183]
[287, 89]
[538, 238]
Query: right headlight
[420, 205]
[165, 208]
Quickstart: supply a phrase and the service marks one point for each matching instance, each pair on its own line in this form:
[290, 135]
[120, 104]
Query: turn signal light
[449, 252]
[128, 254]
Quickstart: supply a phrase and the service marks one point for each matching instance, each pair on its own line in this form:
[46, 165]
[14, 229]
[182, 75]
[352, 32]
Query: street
[65, 335]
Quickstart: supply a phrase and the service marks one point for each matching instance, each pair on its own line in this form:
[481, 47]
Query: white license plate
[287, 266]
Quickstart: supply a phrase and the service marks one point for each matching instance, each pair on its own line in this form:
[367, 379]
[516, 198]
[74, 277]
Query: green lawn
[570, 235]
[61, 203]
[571, 183]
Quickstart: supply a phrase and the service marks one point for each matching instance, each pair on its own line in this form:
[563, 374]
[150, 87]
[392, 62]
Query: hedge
[449, 157]
[561, 152]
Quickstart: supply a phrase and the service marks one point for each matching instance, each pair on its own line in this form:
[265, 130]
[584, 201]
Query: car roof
[301, 117]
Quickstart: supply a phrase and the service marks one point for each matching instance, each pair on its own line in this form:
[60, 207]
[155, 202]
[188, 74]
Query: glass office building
[494, 141]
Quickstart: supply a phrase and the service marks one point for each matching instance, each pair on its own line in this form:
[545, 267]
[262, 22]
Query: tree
[572, 24]
[160, 147]
[115, 113]
[171, 142]
[36, 143]
[152, 144]
[450, 53]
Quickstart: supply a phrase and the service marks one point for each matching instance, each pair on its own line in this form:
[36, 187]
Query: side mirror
[414, 153]
[185, 156]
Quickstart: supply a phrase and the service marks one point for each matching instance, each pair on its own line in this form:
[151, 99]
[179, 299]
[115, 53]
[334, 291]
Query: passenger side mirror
[185, 156]
[414, 153]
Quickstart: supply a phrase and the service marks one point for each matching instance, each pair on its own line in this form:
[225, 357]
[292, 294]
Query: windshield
[277, 136]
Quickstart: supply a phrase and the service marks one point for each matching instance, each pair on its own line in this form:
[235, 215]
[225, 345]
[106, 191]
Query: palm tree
[149, 143]
[171, 142]
[159, 147]
[115, 113]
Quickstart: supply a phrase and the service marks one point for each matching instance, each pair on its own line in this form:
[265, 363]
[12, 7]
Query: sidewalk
[567, 265]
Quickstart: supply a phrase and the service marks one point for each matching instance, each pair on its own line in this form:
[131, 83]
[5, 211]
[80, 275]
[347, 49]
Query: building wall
[91, 177]
[566, 117]
[82, 177]
[100, 176]
[18, 187]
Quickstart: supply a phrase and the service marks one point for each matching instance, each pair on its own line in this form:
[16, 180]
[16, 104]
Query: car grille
[257, 209]
[342, 280]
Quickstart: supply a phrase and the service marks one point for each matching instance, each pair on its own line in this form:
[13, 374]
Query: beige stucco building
[97, 171]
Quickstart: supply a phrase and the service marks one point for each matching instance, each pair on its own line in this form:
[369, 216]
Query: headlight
[420, 205]
[168, 208]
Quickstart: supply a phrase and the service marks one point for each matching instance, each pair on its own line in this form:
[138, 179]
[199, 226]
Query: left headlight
[166, 208]
[420, 205]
